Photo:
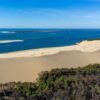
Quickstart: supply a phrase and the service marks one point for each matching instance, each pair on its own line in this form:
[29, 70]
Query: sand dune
[85, 46]
[26, 65]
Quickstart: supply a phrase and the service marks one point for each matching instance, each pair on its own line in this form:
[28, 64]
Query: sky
[49, 13]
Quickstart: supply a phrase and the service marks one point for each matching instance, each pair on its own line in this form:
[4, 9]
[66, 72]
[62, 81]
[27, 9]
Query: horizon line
[46, 28]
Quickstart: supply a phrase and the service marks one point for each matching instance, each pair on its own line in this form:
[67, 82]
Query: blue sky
[49, 13]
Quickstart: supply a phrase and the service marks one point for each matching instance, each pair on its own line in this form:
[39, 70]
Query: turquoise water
[43, 38]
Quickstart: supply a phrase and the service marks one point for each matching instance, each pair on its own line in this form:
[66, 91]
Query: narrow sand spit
[26, 65]
[85, 46]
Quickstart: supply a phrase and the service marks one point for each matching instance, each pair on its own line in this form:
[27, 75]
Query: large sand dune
[25, 65]
[85, 46]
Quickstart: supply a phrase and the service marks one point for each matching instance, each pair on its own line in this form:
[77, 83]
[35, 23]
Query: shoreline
[26, 65]
[84, 46]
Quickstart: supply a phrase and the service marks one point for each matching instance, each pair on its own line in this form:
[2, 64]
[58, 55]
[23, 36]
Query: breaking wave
[10, 41]
[7, 32]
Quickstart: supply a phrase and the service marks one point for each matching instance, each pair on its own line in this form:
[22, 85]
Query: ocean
[12, 40]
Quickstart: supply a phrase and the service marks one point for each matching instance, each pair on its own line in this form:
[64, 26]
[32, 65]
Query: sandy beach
[26, 65]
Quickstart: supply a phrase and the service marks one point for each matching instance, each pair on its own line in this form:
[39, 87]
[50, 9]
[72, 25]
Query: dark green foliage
[82, 83]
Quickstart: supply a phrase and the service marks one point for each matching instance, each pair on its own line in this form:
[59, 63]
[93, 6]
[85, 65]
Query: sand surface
[85, 46]
[26, 65]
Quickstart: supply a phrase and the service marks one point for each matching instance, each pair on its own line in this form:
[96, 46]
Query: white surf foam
[7, 32]
[10, 41]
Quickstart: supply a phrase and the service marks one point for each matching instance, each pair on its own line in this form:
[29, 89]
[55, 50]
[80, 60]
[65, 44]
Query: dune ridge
[84, 46]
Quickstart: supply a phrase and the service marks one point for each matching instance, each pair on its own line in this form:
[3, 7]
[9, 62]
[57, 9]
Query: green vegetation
[82, 83]
[91, 39]
[94, 39]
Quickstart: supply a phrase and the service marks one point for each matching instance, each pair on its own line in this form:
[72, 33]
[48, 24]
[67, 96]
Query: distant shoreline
[34, 39]
[84, 46]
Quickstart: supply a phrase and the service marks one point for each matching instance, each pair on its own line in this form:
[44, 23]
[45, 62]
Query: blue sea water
[43, 38]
